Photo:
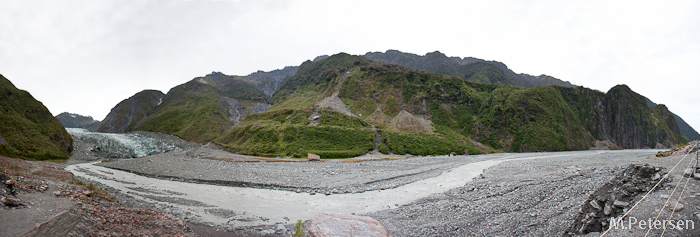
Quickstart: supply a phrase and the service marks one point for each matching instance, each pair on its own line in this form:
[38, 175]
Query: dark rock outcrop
[623, 117]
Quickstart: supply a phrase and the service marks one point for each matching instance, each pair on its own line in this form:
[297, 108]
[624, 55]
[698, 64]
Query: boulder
[677, 207]
[313, 157]
[325, 224]
[619, 203]
[688, 172]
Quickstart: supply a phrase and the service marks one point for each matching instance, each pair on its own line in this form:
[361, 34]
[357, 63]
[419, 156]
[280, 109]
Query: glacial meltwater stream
[242, 206]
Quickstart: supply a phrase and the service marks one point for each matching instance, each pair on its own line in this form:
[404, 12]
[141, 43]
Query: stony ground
[326, 177]
[538, 198]
[529, 194]
[45, 200]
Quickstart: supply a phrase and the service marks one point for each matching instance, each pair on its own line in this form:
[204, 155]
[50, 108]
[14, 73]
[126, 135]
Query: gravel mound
[614, 197]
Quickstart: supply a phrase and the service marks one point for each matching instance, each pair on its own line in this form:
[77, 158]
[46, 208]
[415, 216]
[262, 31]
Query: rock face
[344, 225]
[613, 198]
[27, 128]
[624, 118]
[130, 113]
[268, 82]
[70, 120]
[686, 130]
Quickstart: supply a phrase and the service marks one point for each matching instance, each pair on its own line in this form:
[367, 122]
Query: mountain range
[70, 120]
[345, 105]
[393, 102]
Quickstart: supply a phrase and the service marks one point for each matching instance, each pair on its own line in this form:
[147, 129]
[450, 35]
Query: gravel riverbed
[525, 194]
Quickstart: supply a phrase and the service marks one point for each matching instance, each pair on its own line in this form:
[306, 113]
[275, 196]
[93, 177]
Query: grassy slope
[28, 128]
[126, 115]
[192, 110]
[283, 130]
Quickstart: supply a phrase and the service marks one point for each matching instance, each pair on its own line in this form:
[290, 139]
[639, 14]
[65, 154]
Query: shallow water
[242, 206]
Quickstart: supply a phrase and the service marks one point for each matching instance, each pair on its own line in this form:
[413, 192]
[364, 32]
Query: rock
[12, 202]
[688, 172]
[325, 224]
[696, 175]
[313, 157]
[10, 182]
[595, 204]
[57, 193]
[678, 207]
[664, 196]
[87, 193]
[608, 209]
[619, 203]
[657, 176]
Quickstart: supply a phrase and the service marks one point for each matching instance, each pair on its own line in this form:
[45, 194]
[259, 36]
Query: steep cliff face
[27, 128]
[623, 117]
[633, 124]
[130, 113]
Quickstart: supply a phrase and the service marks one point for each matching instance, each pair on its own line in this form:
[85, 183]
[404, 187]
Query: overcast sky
[86, 56]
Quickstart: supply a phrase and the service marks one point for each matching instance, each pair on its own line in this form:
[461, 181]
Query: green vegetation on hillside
[197, 110]
[289, 133]
[129, 113]
[396, 109]
[504, 117]
[314, 81]
[27, 128]
[190, 111]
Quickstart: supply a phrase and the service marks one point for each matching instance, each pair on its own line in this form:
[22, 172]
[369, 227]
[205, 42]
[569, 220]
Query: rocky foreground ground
[532, 194]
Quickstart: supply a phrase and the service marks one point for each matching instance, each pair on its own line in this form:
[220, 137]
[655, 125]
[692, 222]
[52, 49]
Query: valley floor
[499, 194]
[525, 194]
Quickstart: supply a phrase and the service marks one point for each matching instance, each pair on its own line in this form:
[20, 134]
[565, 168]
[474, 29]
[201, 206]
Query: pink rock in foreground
[325, 224]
